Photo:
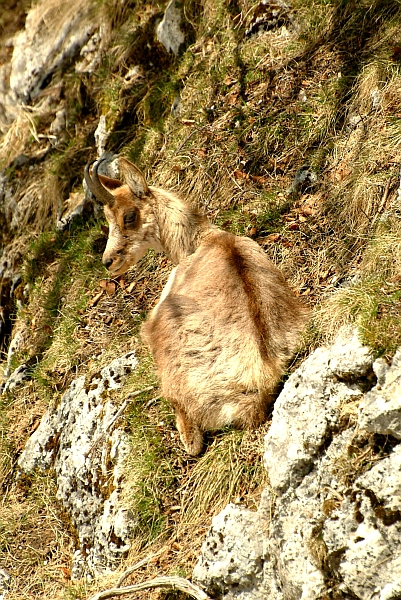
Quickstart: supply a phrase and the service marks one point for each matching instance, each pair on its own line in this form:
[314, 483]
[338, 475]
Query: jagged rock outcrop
[331, 520]
[78, 439]
[53, 34]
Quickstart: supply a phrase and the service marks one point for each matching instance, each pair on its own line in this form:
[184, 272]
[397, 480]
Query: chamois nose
[107, 262]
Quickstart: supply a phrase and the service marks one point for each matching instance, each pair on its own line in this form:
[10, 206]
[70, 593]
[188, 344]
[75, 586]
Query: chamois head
[129, 212]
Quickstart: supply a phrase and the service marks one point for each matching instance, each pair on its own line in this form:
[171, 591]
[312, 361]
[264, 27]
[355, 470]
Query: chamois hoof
[191, 435]
[194, 445]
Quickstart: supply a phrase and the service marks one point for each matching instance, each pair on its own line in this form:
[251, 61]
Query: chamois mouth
[120, 270]
[119, 267]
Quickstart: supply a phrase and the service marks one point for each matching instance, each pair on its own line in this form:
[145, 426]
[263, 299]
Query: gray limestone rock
[76, 438]
[349, 359]
[90, 55]
[307, 409]
[79, 204]
[321, 528]
[304, 180]
[101, 135]
[168, 31]
[363, 536]
[232, 555]
[53, 34]
[381, 410]
[57, 126]
[16, 378]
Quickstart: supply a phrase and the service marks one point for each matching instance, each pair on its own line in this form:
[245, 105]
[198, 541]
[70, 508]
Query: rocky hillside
[282, 122]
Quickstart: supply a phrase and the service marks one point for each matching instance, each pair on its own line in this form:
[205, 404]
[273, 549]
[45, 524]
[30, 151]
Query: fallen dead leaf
[176, 546]
[232, 98]
[108, 286]
[66, 572]
[238, 174]
[307, 211]
[272, 237]
[229, 80]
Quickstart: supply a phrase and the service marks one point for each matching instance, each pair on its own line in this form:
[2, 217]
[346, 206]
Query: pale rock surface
[232, 555]
[168, 32]
[88, 458]
[381, 411]
[308, 409]
[59, 123]
[8, 100]
[90, 55]
[363, 535]
[79, 204]
[317, 531]
[101, 135]
[52, 35]
[4, 583]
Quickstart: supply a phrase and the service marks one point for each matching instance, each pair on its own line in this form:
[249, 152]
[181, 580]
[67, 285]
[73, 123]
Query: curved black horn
[93, 183]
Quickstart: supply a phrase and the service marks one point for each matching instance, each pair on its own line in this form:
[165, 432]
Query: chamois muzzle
[93, 183]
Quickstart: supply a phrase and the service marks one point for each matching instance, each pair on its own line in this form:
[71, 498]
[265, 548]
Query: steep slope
[282, 122]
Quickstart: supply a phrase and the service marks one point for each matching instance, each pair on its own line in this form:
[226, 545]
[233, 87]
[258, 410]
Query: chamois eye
[130, 219]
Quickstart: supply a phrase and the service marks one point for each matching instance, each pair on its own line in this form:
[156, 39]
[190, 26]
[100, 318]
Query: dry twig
[383, 200]
[137, 566]
[174, 583]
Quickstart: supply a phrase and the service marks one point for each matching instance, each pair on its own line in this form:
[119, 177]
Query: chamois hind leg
[190, 433]
[254, 409]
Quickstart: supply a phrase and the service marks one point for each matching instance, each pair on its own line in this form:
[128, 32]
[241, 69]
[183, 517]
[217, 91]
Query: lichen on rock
[74, 439]
[328, 522]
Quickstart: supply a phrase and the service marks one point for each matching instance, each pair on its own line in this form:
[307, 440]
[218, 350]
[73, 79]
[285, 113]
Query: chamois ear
[134, 178]
[109, 182]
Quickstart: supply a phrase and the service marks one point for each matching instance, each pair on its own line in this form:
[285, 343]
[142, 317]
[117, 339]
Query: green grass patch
[61, 270]
[375, 307]
[151, 473]
[266, 219]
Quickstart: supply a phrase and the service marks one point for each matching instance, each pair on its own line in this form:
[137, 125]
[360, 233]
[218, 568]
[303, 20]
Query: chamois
[226, 322]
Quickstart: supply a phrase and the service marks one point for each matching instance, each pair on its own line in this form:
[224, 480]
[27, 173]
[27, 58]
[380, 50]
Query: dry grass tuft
[194, 490]
[48, 15]
[17, 137]
[35, 546]
[39, 204]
